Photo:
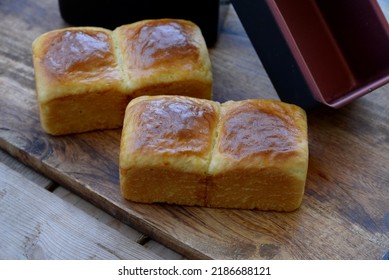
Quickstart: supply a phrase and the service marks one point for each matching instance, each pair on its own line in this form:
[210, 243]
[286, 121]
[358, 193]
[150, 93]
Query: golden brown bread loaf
[163, 57]
[78, 81]
[250, 154]
[85, 76]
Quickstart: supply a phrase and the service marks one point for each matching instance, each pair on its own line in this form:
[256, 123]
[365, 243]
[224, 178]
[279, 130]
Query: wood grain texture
[26, 171]
[345, 211]
[86, 207]
[116, 225]
[57, 230]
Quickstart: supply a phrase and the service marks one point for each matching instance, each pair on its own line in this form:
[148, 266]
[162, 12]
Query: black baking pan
[207, 14]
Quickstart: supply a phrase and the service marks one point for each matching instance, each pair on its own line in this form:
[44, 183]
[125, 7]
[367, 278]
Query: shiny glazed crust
[85, 76]
[260, 158]
[165, 149]
[249, 154]
[75, 60]
[165, 57]
[78, 81]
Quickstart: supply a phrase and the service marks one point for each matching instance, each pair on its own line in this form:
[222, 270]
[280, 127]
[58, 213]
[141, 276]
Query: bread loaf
[85, 76]
[250, 154]
[164, 57]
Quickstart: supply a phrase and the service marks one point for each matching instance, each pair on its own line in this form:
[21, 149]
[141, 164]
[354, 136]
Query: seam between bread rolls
[120, 61]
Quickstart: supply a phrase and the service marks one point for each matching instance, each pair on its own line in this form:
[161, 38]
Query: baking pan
[319, 51]
[112, 13]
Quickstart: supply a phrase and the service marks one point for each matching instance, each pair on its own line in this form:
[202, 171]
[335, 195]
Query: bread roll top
[255, 133]
[176, 131]
[163, 51]
[75, 60]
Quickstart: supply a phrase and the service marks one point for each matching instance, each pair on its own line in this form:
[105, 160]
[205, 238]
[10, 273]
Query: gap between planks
[86, 207]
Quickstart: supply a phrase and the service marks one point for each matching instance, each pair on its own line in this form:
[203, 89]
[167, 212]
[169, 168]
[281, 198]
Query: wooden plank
[88, 208]
[344, 213]
[35, 224]
[26, 171]
[115, 224]
[162, 251]
[99, 214]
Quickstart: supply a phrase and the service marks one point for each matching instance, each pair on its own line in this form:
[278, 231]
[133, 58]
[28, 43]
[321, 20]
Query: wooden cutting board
[345, 211]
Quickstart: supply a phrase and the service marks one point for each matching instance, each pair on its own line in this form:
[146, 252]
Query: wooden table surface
[59, 196]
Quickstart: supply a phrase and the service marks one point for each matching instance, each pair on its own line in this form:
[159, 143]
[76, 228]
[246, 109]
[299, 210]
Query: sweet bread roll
[260, 157]
[165, 149]
[249, 154]
[165, 56]
[78, 80]
[85, 76]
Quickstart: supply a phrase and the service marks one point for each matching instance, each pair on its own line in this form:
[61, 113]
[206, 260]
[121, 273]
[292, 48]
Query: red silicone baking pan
[319, 51]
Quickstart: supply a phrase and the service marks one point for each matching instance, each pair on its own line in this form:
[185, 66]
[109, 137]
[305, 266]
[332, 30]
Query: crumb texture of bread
[85, 76]
[250, 154]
